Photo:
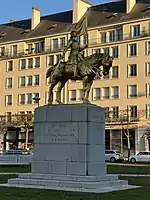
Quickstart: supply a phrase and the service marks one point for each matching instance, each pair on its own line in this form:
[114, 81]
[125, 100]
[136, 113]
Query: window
[23, 64]
[37, 47]
[107, 112]
[132, 70]
[36, 95]
[9, 83]
[96, 51]
[29, 79]
[115, 92]
[80, 94]
[22, 98]
[115, 112]
[103, 37]
[132, 91]
[29, 98]
[136, 30]
[106, 50]
[148, 111]
[72, 95]
[147, 69]
[37, 62]
[147, 47]
[36, 80]
[22, 81]
[96, 94]
[9, 66]
[119, 34]
[106, 93]
[112, 36]
[148, 90]
[30, 63]
[85, 39]
[30, 49]
[8, 99]
[115, 72]
[42, 46]
[2, 51]
[14, 50]
[55, 44]
[133, 112]
[50, 60]
[115, 52]
[62, 42]
[132, 49]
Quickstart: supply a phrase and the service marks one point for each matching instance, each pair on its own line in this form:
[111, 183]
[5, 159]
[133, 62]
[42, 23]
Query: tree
[26, 121]
[126, 120]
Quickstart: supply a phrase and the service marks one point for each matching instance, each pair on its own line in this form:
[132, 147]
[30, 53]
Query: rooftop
[99, 15]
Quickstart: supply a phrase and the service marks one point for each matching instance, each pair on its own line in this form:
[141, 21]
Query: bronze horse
[63, 72]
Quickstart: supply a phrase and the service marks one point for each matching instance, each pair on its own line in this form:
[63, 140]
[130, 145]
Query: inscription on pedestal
[62, 133]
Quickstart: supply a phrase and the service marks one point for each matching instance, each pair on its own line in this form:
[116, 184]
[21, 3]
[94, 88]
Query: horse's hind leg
[58, 93]
[50, 94]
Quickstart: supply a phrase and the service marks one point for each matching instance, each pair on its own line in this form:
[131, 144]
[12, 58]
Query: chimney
[35, 17]
[129, 5]
[79, 8]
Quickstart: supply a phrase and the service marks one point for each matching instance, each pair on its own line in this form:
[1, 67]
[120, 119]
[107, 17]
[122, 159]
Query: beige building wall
[95, 42]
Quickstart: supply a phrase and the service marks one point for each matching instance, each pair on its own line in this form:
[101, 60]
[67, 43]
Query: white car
[143, 156]
[113, 156]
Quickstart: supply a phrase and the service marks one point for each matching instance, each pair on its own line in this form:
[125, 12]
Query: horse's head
[107, 64]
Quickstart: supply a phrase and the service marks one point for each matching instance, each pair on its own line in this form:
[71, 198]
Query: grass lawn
[111, 169]
[35, 194]
[122, 169]
[15, 168]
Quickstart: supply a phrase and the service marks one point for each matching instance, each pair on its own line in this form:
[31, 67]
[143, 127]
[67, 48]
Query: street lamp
[36, 99]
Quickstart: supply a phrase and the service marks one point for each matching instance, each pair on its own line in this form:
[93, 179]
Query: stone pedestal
[69, 151]
[69, 140]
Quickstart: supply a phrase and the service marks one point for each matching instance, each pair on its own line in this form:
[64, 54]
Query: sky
[21, 9]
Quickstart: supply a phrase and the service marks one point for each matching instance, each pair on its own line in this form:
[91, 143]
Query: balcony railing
[49, 49]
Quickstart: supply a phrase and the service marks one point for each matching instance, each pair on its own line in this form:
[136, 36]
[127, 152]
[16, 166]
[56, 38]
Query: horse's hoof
[49, 104]
[86, 101]
[60, 103]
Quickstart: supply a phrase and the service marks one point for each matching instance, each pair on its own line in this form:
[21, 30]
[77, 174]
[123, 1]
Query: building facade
[119, 28]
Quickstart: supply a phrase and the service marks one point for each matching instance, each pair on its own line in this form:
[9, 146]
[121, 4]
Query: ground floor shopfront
[16, 138]
[116, 138]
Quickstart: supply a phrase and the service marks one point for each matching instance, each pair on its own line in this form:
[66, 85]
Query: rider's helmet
[73, 33]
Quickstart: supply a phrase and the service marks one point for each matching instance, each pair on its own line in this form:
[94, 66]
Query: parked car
[17, 152]
[113, 156]
[143, 156]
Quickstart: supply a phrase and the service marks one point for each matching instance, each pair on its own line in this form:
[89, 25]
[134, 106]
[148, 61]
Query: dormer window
[25, 31]
[112, 16]
[2, 35]
[52, 26]
[146, 9]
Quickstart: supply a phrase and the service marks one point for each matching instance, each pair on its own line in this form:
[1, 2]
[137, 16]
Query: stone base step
[68, 184]
[95, 184]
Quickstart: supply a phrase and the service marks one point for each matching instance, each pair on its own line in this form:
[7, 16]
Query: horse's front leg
[50, 94]
[58, 93]
[86, 88]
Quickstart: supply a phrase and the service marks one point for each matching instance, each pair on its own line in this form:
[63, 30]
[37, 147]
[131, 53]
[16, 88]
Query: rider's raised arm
[67, 47]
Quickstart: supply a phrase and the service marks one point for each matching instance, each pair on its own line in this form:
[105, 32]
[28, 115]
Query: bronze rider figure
[75, 52]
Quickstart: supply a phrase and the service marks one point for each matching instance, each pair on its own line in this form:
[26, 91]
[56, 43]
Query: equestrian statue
[77, 67]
